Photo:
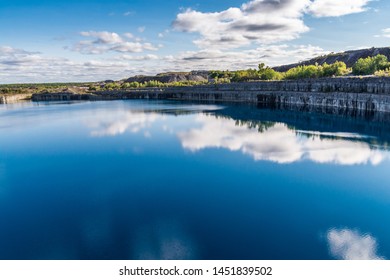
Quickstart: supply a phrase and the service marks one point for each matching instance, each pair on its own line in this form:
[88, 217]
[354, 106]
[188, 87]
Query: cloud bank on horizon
[225, 36]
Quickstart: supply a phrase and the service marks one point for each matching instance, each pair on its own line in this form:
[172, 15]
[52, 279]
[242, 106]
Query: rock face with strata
[13, 98]
[363, 94]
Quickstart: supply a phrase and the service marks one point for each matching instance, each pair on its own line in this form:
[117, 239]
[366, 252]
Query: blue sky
[54, 41]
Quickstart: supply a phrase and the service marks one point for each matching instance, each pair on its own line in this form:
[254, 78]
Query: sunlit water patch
[169, 180]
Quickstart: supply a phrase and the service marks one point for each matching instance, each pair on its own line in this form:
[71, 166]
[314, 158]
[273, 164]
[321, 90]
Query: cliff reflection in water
[264, 134]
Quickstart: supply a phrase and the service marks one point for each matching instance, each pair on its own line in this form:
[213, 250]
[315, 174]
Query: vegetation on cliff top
[378, 65]
[371, 65]
[48, 87]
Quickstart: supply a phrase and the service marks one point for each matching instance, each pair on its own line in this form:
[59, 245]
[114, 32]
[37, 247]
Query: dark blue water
[159, 180]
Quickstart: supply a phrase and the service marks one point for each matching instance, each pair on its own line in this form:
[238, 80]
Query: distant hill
[349, 57]
[198, 76]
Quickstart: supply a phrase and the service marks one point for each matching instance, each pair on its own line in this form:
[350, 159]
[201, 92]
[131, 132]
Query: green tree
[369, 65]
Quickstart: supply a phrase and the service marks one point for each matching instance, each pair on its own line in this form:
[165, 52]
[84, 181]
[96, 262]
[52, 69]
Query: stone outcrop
[197, 76]
[349, 57]
[12, 98]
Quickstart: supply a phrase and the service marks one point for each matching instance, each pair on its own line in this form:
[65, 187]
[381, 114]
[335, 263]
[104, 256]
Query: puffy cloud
[277, 143]
[111, 42]
[133, 47]
[349, 244]
[103, 37]
[280, 8]
[259, 21]
[337, 8]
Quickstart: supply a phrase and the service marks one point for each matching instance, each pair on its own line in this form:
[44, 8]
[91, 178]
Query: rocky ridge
[348, 57]
[171, 77]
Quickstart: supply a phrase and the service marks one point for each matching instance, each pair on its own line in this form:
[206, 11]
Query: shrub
[269, 74]
[370, 65]
[317, 71]
[338, 68]
[383, 73]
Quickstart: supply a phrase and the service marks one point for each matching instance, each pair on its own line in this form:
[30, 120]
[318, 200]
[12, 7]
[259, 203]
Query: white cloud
[272, 55]
[7, 50]
[259, 21]
[138, 58]
[128, 13]
[18, 65]
[349, 244]
[103, 37]
[129, 35]
[385, 33]
[111, 42]
[337, 8]
[141, 29]
[133, 47]
[277, 143]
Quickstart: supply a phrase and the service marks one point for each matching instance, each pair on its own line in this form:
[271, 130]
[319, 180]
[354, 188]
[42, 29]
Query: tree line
[378, 65]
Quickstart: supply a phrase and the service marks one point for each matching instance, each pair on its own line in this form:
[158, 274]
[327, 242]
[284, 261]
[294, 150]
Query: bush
[370, 65]
[269, 74]
[383, 73]
[317, 71]
[304, 72]
[112, 86]
[336, 69]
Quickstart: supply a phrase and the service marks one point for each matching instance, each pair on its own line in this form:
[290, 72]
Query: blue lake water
[164, 180]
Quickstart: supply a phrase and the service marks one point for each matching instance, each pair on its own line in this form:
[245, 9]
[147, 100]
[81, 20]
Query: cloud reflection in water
[277, 143]
[164, 240]
[118, 124]
[349, 244]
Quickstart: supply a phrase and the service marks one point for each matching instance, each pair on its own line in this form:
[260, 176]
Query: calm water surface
[160, 180]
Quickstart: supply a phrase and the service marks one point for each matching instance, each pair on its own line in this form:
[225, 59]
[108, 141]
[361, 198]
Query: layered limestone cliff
[364, 94]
